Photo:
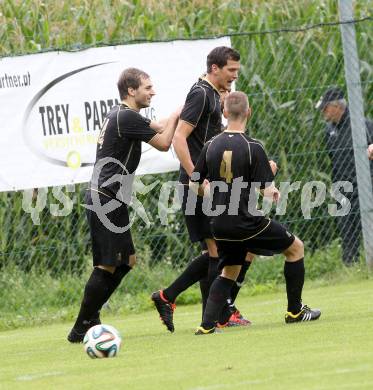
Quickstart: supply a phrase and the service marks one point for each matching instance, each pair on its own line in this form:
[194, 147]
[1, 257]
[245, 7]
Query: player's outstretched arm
[162, 141]
[183, 131]
[160, 125]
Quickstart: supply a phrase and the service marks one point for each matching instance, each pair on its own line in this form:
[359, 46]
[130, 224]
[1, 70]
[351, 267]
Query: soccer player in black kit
[237, 166]
[117, 157]
[200, 120]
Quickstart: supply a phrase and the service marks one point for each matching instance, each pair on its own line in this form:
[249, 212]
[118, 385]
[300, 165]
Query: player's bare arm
[183, 130]
[162, 141]
[370, 152]
[161, 125]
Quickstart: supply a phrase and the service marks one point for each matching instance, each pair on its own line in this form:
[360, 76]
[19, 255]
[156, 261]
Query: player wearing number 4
[200, 120]
[236, 166]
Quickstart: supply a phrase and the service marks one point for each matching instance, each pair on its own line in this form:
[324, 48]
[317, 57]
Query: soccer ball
[102, 341]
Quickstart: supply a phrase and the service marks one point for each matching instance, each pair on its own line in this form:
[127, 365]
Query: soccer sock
[213, 271]
[119, 273]
[204, 286]
[194, 272]
[294, 277]
[227, 309]
[240, 279]
[98, 286]
[205, 283]
[219, 293]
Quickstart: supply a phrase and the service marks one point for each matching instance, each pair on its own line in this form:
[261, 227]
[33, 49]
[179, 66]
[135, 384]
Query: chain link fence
[44, 265]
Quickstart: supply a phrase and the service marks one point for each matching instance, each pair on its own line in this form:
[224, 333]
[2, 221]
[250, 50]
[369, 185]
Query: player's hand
[276, 195]
[271, 192]
[370, 152]
[205, 188]
[273, 166]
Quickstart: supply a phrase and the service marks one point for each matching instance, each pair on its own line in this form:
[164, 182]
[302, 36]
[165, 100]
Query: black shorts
[272, 240]
[198, 225]
[109, 248]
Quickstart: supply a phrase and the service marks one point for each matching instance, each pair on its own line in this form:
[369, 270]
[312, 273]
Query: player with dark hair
[236, 167]
[200, 120]
[117, 157]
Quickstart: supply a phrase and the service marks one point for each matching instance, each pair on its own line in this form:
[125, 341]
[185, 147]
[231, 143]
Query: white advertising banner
[52, 106]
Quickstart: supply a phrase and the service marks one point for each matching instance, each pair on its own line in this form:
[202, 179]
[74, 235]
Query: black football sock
[213, 271]
[229, 307]
[204, 286]
[294, 277]
[95, 293]
[194, 272]
[219, 293]
[119, 273]
[206, 282]
[239, 282]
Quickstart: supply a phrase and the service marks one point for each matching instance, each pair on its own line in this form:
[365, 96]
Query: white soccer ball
[102, 341]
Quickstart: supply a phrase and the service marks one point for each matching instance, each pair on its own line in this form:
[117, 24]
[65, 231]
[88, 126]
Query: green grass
[333, 353]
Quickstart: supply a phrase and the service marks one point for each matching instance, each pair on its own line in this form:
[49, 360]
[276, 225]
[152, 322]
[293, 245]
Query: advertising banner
[53, 104]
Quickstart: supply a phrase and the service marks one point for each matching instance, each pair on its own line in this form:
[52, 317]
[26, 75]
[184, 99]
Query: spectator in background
[338, 136]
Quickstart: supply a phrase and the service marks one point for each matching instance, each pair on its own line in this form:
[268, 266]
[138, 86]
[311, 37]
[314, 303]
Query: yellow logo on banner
[77, 128]
[73, 159]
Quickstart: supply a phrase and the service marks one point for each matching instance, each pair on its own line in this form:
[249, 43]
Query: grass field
[333, 353]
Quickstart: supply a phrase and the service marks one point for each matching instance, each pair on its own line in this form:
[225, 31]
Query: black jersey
[119, 149]
[236, 167]
[202, 110]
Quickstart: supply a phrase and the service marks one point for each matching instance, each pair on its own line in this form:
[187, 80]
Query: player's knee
[231, 272]
[249, 257]
[132, 261]
[212, 248]
[295, 250]
[299, 247]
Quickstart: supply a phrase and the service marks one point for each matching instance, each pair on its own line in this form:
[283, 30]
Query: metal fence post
[358, 127]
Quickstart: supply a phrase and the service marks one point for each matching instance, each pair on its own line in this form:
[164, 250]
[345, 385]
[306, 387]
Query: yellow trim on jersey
[183, 120]
[100, 192]
[212, 85]
[244, 239]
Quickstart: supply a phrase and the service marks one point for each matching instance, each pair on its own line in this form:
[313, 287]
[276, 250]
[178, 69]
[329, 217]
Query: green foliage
[33, 25]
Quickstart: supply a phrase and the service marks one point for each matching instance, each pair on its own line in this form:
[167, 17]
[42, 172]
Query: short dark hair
[220, 56]
[130, 78]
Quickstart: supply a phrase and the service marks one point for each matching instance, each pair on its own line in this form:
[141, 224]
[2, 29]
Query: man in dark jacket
[338, 137]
